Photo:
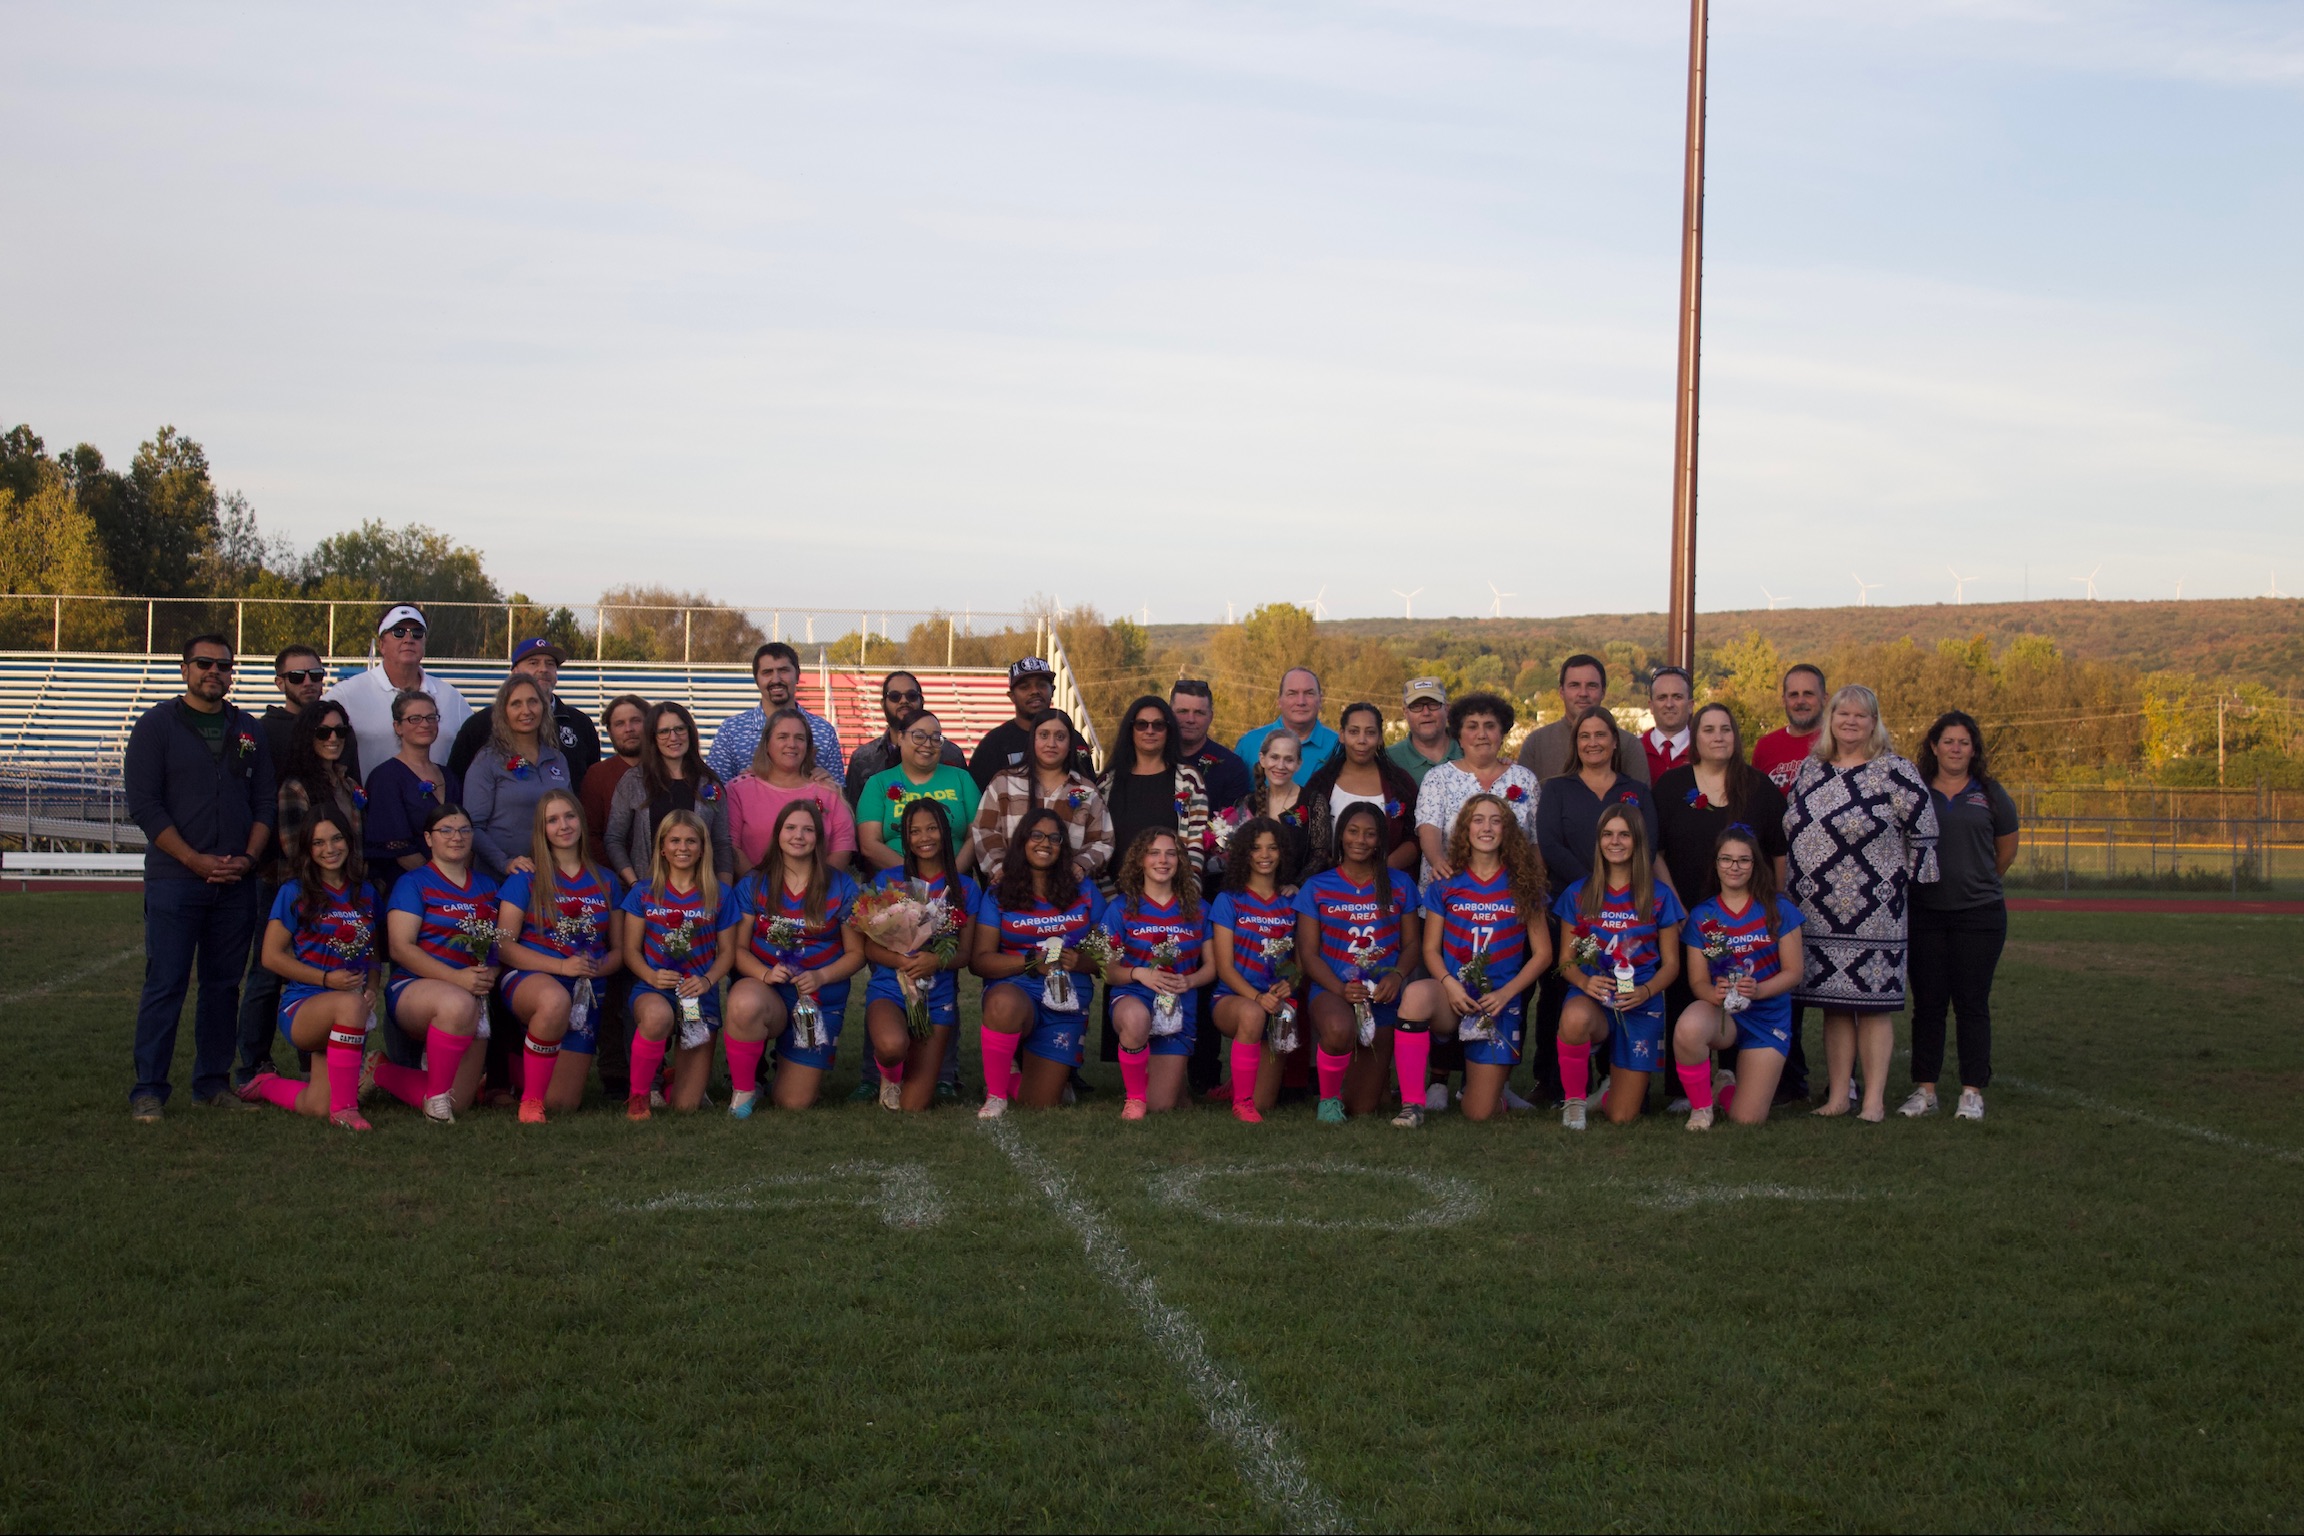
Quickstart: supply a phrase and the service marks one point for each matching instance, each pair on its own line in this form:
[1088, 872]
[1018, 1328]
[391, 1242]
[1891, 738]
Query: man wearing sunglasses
[900, 695]
[367, 697]
[199, 781]
[301, 678]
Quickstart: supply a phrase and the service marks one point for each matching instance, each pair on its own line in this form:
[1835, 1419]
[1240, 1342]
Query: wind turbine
[1407, 602]
[1227, 610]
[1773, 599]
[1865, 589]
[2088, 581]
[1959, 586]
[2272, 584]
[1144, 613]
[1320, 607]
[1496, 606]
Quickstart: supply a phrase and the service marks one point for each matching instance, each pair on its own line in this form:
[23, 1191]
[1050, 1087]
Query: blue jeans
[184, 919]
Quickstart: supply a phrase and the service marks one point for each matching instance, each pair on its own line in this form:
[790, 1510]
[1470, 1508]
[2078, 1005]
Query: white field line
[1455, 1201]
[904, 1195]
[1268, 1466]
[1673, 1195]
[66, 980]
[2142, 1117]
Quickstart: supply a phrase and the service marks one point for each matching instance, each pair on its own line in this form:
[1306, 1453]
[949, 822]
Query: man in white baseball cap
[397, 664]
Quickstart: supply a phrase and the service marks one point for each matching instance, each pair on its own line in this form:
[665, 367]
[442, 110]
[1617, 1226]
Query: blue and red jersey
[1139, 927]
[1022, 931]
[819, 943]
[1622, 929]
[1350, 918]
[1479, 916]
[442, 906]
[581, 906]
[346, 933]
[944, 991]
[1253, 921]
[662, 912]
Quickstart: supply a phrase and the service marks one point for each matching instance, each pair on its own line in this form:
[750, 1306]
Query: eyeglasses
[211, 663]
[902, 698]
[415, 719]
[1150, 723]
[337, 732]
[667, 732]
[1044, 837]
[452, 829]
[1736, 861]
[931, 739]
[302, 675]
[406, 631]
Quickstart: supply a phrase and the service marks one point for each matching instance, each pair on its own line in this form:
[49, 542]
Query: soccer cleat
[636, 1107]
[1330, 1112]
[440, 1109]
[1245, 1112]
[1410, 1118]
[1678, 1107]
[947, 1093]
[1514, 1101]
[531, 1111]
[1132, 1109]
[145, 1109]
[1922, 1102]
[1971, 1105]
[656, 1099]
[891, 1094]
[249, 1092]
[1436, 1098]
[1572, 1115]
[993, 1107]
[866, 1091]
[740, 1104]
[367, 1089]
[1700, 1119]
[350, 1120]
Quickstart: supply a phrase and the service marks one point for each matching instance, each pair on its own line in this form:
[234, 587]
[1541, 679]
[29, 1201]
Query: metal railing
[2222, 848]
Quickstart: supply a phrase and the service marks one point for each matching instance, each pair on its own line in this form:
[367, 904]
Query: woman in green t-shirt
[920, 774]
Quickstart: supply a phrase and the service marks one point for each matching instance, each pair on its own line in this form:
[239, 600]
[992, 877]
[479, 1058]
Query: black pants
[1543, 1049]
[612, 1030]
[1794, 1083]
[259, 1003]
[1953, 957]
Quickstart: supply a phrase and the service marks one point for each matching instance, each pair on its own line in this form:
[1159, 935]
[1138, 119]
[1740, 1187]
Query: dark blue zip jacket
[174, 782]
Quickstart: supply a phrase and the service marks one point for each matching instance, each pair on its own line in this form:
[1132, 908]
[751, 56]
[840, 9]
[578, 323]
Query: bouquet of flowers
[1716, 949]
[354, 944]
[678, 945]
[1167, 1011]
[1587, 953]
[1472, 976]
[475, 936]
[782, 935]
[576, 930]
[906, 919]
[1059, 995]
[1363, 953]
[1280, 954]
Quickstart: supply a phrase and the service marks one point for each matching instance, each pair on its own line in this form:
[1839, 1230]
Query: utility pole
[1680, 619]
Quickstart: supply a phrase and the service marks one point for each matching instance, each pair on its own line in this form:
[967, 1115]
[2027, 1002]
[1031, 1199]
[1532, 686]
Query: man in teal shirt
[1428, 743]
[1300, 718]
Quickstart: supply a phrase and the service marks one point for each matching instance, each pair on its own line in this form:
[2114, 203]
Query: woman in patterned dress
[1862, 830]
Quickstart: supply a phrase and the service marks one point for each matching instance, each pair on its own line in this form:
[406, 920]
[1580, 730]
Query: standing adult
[396, 667]
[922, 775]
[1300, 697]
[1960, 923]
[1780, 753]
[1704, 797]
[671, 776]
[301, 677]
[1428, 743]
[405, 789]
[782, 771]
[1147, 785]
[776, 672]
[569, 726]
[625, 720]
[1361, 771]
[1275, 792]
[1862, 827]
[199, 781]
[1008, 745]
[1222, 771]
[1550, 750]
[900, 694]
[1478, 722]
[1053, 781]
[518, 767]
[1670, 696]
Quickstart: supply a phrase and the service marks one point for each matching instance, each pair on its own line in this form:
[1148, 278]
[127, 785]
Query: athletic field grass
[2084, 1312]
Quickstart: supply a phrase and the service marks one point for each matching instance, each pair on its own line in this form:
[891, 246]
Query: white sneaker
[1922, 1102]
[1069, 1097]
[1514, 1101]
[1572, 1115]
[891, 1095]
[992, 1109]
[656, 1099]
[1436, 1098]
[440, 1109]
[1597, 1093]
[1971, 1105]
[1700, 1119]
[1677, 1107]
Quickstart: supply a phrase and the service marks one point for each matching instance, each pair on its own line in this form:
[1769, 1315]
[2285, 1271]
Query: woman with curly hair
[1486, 945]
[1479, 722]
[1038, 902]
[1160, 941]
[1253, 931]
[321, 941]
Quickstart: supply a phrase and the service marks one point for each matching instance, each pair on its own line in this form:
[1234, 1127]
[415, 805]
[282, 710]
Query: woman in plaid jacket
[1047, 781]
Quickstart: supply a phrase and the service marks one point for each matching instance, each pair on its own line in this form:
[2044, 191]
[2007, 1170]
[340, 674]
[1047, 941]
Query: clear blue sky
[1170, 305]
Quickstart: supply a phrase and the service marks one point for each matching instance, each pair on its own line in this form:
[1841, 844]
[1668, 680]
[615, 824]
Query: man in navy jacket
[200, 785]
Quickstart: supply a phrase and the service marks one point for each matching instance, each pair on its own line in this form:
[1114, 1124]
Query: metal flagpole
[1680, 622]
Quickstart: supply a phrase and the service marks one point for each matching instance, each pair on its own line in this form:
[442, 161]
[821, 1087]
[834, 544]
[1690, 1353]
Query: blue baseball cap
[528, 648]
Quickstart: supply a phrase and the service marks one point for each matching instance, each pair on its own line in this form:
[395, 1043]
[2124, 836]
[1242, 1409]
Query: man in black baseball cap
[1031, 685]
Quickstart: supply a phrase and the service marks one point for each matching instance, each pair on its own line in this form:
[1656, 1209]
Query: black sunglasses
[406, 631]
[332, 733]
[893, 697]
[1150, 723]
[212, 663]
[301, 675]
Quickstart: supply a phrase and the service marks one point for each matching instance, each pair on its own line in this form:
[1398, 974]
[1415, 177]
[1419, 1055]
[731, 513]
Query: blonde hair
[1880, 743]
[660, 868]
[1643, 869]
[500, 719]
[544, 885]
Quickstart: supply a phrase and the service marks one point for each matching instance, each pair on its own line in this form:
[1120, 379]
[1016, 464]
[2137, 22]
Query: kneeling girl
[1357, 930]
[441, 924]
[1486, 945]
[321, 943]
[1253, 932]
[1037, 902]
[564, 933]
[909, 1067]
[793, 945]
[1160, 960]
[1621, 931]
[1743, 949]
[679, 940]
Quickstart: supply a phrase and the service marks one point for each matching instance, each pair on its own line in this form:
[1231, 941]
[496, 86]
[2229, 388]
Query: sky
[1172, 306]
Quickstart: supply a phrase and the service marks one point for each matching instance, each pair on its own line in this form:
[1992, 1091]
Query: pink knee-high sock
[744, 1058]
[282, 1091]
[1727, 1098]
[1136, 1072]
[1247, 1061]
[344, 1052]
[1411, 1056]
[999, 1047]
[1331, 1070]
[404, 1083]
[443, 1054]
[1696, 1082]
[1575, 1070]
[647, 1061]
[536, 1068]
[892, 1071]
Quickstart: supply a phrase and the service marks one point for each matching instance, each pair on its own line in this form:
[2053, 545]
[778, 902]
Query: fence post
[947, 644]
[239, 627]
[509, 625]
[331, 632]
[863, 636]
[2067, 853]
[147, 626]
[688, 638]
[599, 636]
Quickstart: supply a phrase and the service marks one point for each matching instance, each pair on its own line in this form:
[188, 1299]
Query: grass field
[2083, 1312]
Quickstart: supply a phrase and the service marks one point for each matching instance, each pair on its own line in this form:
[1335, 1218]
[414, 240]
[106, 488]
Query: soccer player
[1356, 929]
[1490, 911]
[321, 943]
[1037, 900]
[909, 1068]
[680, 945]
[1154, 1005]
[441, 924]
[1253, 928]
[1620, 938]
[564, 933]
[1743, 949]
[793, 945]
